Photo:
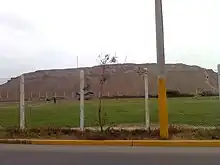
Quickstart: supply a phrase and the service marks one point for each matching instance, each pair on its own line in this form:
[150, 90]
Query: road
[12, 154]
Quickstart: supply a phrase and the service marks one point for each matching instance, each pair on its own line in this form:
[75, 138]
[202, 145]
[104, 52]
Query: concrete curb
[177, 143]
[84, 142]
[150, 143]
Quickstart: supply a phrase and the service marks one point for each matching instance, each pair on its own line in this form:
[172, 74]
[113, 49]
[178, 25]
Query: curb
[84, 142]
[177, 143]
[147, 143]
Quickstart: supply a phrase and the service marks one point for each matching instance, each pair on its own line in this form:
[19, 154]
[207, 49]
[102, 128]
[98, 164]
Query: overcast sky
[43, 34]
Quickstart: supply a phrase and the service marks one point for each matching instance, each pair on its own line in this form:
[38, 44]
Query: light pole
[162, 98]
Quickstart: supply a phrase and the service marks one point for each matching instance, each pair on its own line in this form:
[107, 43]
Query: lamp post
[162, 98]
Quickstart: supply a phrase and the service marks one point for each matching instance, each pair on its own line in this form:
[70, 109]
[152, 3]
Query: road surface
[88, 155]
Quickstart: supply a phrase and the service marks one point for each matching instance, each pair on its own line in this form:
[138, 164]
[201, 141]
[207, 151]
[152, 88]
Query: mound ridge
[123, 80]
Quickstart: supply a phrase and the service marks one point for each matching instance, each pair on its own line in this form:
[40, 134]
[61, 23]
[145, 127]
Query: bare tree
[104, 61]
[140, 71]
[87, 90]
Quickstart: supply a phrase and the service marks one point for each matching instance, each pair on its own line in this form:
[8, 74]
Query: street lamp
[162, 98]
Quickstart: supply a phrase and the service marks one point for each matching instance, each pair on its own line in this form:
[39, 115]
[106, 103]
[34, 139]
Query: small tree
[104, 61]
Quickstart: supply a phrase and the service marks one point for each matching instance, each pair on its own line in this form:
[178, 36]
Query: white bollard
[22, 110]
[147, 112]
[81, 100]
[219, 80]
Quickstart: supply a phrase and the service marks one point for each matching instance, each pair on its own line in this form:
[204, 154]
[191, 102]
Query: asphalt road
[88, 155]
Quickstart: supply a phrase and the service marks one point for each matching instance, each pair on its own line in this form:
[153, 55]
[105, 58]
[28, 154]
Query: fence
[34, 96]
[41, 112]
[35, 106]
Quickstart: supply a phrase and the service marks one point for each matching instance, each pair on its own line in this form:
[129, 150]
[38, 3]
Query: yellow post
[162, 99]
[162, 102]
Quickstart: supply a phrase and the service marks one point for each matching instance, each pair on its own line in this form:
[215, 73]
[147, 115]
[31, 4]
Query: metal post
[147, 112]
[22, 110]
[162, 98]
[82, 100]
[219, 80]
[46, 95]
[16, 97]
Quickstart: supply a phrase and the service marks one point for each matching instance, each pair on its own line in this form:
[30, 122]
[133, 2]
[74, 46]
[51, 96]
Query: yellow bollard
[162, 105]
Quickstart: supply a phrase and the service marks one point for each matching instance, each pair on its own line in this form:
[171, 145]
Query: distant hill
[123, 80]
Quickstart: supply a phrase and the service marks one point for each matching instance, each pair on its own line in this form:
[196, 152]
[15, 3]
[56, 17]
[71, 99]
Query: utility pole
[162, 98]
[219, 80]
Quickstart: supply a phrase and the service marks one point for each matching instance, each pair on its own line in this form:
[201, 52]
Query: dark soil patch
[175, 132]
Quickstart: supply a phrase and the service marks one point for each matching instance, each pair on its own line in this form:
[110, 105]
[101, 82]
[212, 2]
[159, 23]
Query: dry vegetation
[175, 132]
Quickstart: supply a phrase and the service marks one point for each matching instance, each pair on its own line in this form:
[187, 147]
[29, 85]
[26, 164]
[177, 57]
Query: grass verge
[202, 112]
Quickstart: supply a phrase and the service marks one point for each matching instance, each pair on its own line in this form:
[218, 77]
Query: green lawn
[205, 111]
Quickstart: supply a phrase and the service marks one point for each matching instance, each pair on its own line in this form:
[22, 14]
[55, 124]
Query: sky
[46, 34]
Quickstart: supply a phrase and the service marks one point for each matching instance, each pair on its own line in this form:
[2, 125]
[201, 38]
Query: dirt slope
[123, 80]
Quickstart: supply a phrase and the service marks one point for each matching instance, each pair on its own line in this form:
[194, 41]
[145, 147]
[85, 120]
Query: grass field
[205, 112]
